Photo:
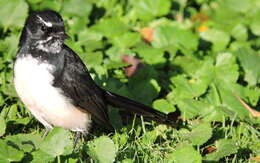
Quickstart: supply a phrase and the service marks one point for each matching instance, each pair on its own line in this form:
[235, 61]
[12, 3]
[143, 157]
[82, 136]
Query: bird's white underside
[33, 83]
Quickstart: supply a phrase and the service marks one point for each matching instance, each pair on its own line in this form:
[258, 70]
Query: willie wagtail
[55, 85]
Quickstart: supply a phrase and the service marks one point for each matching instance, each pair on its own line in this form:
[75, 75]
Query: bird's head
[44, 30]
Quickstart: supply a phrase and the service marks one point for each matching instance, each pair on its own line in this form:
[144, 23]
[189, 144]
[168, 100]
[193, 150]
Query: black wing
[74, 79]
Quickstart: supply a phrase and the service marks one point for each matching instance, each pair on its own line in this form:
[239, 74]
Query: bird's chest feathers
[33, 82]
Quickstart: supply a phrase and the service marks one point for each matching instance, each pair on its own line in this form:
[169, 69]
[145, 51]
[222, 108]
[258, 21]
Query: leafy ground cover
[196, 60]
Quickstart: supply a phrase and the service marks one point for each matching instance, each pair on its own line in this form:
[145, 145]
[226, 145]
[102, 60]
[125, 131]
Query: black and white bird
[55, 85]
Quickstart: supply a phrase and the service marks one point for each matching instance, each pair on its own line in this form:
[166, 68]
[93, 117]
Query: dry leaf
[202, 28]
[253, 112]
[147, 33]
[257, 158]
[210, 149]
[202, 18]
[134, 62]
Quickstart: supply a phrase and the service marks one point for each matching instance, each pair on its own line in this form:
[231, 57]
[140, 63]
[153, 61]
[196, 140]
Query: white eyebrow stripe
[48, 24]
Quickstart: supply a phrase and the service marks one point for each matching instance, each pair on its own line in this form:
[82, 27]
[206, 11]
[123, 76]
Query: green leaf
[102, 149]
[79, 8]
[115, 65]
[57, 143]
[86, 36]
[127, 40]
[240, 32]
[25, 142]
[226, 69]
[116, 86]
[107, 4]
[143, 86]
[115, 53]
[114, 117]
[255, 24]
[48, 4]
[41, 157]
[11, 43]
[228, 10]
[13, 13]
[249, 94]
[198, 80]
[148, 9]
[182, 61]
[163, 106]
[121, 139]
[34, 1]
[250, 60]
[225, 147]
[234, 46]
[78, 27]
[188, 88]
[185, 153]
[92, 59]
[23, 121]
[149, 137]
[191, 108]
[229, 100]
[127, 161]
[218, 38]
[111, 27]
[167, 36]
[151, 55]
[9, 153]
[236, 6]
[2, 126]
[200, 134]
[10, 112]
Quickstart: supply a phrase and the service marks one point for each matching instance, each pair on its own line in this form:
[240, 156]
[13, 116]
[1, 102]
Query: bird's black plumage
[42, 40]
[73, 78]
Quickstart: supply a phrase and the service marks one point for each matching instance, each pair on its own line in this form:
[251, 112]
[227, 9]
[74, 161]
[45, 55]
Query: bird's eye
[43, 28]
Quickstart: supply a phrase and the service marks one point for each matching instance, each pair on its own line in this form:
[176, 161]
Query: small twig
[253, 112]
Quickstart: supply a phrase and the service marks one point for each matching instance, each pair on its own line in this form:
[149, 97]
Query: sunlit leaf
[250, 62]
[163, 106]
[2, 126]
[102, 149]
[9, 153]
[185, 153]
[200, 134]
[148, 9]
[57, 143]
[13, 13]
[218, 38]
[225, 147]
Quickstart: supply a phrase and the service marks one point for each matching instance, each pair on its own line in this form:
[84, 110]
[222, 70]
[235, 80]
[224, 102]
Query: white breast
[33, 83]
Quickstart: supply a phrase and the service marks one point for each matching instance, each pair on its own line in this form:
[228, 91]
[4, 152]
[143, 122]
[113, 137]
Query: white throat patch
[54, 47]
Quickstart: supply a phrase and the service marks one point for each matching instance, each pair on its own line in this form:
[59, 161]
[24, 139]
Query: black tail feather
[135, 107]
